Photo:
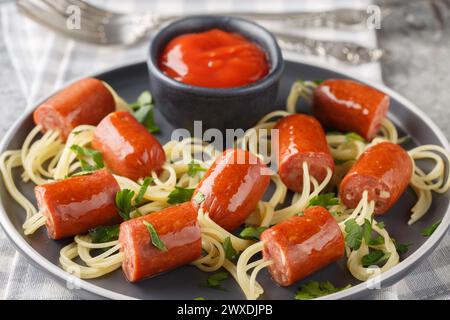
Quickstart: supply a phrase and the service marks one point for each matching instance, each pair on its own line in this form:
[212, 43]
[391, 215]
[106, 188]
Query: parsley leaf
[138, 213]
[315, 289]
[123, 203]
[86, 167]
[142, 190]
[124, 199]
[354, 234]
[429, 230]
[156, 241]
[324, 200]
[230, 252]
[214, 280]
[381, 225]
[80, 174]
[149, 121]
[378, 240]
[142, 110]
[194, 168]
[180, 195]
[83, 153]
[367, 230]
[336, 213]
[404, 140]
[354, 136]
[401, 247]
[252, 233]
[199, 197]
[317, 82]
[375, 257]
[104, 233]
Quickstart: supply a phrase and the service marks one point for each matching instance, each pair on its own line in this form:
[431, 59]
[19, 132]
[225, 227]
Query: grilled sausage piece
[75, 205]
[232, 188]
[178, 229]
[384, 170]
[302, 245]
[350, 106]
[86, 101]
[301, 139]
[127, 147]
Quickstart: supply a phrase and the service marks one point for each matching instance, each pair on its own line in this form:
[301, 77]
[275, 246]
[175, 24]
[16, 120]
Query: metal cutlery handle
[338, 18]
[343, 51]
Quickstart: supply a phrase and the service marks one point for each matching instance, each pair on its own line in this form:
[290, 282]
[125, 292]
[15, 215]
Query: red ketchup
[213, 59]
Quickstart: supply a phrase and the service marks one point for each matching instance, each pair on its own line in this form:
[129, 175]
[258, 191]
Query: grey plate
[185, 282]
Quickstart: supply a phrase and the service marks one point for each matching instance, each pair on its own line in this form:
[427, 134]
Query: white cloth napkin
[44, 61]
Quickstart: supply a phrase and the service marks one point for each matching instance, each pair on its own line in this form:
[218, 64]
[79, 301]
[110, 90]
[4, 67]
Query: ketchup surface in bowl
[213, 59]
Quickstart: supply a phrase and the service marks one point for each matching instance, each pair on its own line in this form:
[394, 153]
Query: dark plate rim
[387, 278]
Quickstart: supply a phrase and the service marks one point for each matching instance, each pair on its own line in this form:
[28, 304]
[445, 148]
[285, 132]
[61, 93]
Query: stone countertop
[417, 59]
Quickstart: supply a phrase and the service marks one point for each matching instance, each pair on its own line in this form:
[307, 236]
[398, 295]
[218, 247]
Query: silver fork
[101, 26]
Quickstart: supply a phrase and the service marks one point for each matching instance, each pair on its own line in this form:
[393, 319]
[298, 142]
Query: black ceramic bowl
[221, 108]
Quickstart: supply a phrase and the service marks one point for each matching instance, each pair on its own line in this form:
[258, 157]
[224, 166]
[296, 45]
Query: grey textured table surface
[417, 60]
[416, 64]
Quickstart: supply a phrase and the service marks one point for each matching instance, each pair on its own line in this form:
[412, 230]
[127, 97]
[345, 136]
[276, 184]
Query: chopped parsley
[315, 289]
[404, 140]
[367, 230]
[156, 241]
[335, 213]
[180, 195]
[430, 230]
[401, 247]
[194, 169]
[381, 225]
[214, 280]
[230, 252]
[142, 109]
[354, 234]
[104, 233]
[378, 240]
[80, 174]
[317, 82]
[352, 136]
[124, 199]
[142, 190]
[252, 233]
[324, 200]
[123, 203]
[375, 257]
[85, 153]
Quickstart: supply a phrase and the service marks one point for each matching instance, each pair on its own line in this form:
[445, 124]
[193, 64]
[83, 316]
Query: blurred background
[405, 44]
